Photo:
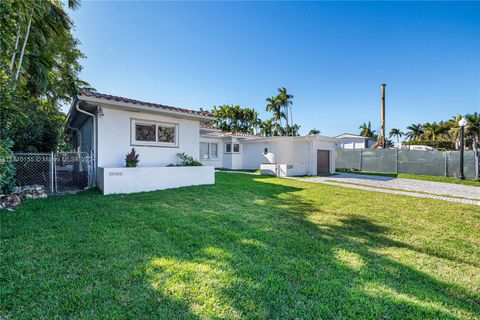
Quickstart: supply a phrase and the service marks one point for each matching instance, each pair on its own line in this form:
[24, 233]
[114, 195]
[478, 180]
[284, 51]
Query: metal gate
[59, 172]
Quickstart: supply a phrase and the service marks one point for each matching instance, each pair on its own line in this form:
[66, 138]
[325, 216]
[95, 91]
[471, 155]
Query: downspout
[310, 169]
[94, 141]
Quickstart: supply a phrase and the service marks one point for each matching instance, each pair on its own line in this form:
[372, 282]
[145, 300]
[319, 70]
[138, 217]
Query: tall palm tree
[366, 130]
[285, 100]
[396, 133]
[415, 131]
[274, 106]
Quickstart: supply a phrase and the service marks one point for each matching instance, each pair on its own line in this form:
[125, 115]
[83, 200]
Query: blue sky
[332, 56]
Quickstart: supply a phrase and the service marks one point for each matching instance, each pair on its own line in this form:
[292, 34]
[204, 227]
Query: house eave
[138, 108]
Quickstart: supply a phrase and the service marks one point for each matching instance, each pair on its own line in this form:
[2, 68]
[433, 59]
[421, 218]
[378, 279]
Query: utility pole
[384, 141]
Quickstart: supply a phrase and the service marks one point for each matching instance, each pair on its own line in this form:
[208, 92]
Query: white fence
[57, 172]
[430, 163]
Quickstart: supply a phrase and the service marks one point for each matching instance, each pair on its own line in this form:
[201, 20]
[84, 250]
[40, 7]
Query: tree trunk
[286, 119]
[24, 45]
[14, 53]
[291, 116]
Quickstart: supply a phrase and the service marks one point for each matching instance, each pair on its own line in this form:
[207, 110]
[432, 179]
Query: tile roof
[142, 103]
[230, 134]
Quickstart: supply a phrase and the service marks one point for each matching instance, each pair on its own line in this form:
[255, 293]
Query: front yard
[248, 247]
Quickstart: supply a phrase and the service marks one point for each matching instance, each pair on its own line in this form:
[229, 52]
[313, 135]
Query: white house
[110, 126]
[284, 156]
[354, 141]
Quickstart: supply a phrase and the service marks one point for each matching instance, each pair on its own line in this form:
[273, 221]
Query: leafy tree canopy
[39, 61]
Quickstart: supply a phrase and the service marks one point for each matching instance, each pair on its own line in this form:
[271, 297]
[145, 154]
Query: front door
[323, 162]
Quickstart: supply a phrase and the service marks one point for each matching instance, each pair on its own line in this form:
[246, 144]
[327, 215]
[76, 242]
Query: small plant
[131, 159]
[187, 161]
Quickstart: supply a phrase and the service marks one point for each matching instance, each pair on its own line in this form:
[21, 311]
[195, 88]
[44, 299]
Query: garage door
[323, 162]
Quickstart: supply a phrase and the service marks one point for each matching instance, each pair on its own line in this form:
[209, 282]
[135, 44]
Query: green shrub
[131, 159]
[7, 167]
[186, 161]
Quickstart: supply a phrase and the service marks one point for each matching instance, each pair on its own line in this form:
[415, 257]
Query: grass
[242, 170]
[417, 177]
[251, 247]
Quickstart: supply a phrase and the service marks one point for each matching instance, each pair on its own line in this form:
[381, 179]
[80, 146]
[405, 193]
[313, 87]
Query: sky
[332, 56]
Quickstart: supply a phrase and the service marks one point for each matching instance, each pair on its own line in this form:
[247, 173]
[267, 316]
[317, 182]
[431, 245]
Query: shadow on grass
[243, 248]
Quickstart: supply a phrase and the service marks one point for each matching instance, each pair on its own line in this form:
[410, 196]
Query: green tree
[314, 132]
[233, 118]
[274, 106]
[40, 56]
[366, 130]
[415, 131]
[396, 133]
[285, 100]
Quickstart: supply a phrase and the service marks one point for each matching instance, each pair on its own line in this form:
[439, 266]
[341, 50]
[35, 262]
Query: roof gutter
[131, 106]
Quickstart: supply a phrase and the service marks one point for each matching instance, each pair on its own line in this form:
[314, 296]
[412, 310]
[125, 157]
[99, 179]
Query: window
[208, 150]
[265, 151]
[204, 150]
[144, 132]
[228, 147]
[153, 133]
[213, 150]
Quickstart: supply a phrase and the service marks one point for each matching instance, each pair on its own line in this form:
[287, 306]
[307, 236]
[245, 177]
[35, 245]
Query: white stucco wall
[354, 143]
[300, 153]
[131, 180]
[217, 163]
[114, 139]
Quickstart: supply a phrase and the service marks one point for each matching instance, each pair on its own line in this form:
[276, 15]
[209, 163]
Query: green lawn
[418, 177]
[252, 247]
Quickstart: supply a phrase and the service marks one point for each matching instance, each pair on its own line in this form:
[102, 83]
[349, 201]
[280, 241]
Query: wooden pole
[384, 141]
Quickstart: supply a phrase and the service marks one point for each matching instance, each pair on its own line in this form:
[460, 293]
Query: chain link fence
[430, 163]
[57, 172]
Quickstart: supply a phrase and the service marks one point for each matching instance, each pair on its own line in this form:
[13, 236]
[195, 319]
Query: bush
[131, 159]
[186, 161]
[7, 167]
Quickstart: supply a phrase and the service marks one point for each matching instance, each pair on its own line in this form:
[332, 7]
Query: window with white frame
[208, 150]
[232, 148]
[154, 133]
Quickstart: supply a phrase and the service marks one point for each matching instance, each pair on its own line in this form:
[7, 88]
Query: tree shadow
[269, 261]
[245, 247]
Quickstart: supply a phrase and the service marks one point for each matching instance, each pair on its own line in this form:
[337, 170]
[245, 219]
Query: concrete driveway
[415, 188]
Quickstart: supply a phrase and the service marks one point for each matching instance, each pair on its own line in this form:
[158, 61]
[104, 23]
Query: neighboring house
[110, 126]
[354, 141]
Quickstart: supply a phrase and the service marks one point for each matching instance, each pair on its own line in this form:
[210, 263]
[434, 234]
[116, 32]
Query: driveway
[415, 188]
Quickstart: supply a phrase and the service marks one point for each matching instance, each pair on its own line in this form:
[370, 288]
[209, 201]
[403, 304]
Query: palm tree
[473, 127]
[415, 131]
[285, 101]
[274, 106]
[366, 130]
[396, 133]
[266, 128]
[314, 132]
[432, 130]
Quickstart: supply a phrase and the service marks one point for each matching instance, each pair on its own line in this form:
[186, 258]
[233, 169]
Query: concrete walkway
[414, 188]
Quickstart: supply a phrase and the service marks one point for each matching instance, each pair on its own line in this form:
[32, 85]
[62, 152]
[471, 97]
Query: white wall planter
[140, 179]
